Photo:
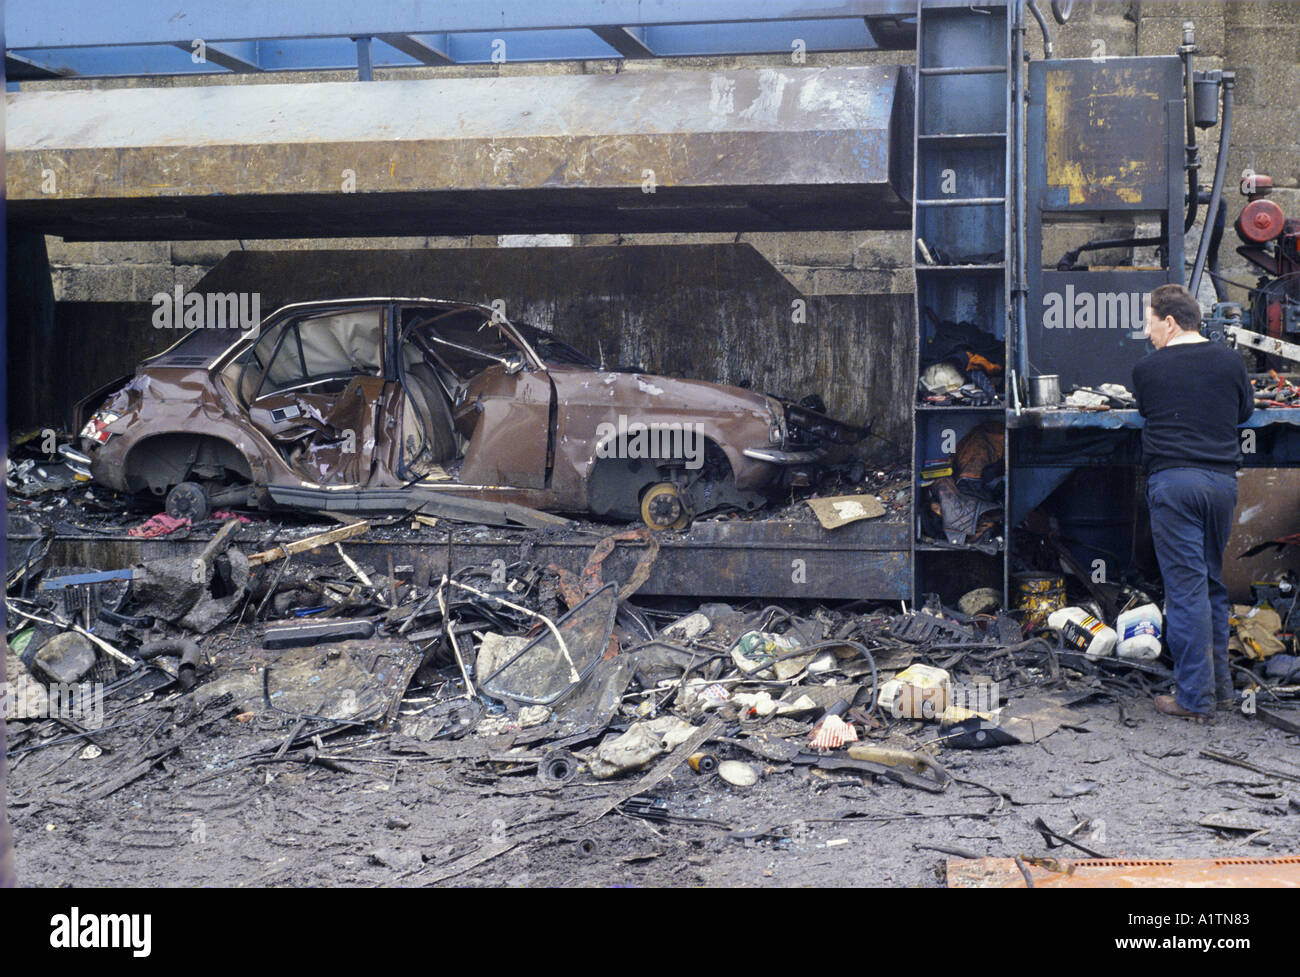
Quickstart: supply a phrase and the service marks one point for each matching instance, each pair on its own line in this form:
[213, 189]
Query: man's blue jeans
[1191, 518]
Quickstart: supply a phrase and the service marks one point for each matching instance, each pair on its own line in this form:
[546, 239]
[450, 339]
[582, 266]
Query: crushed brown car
[382, 404]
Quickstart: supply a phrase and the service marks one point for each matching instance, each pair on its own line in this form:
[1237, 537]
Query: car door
[315, 385]
[503, 399]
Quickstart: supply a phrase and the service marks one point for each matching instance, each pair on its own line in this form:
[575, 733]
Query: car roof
[208, 347]
[378, 300]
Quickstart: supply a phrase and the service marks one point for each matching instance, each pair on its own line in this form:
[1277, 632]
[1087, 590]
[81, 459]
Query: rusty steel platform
[737, 150]
[726, 559]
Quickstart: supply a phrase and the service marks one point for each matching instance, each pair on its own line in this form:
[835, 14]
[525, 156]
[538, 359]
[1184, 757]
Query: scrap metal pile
[519, 671]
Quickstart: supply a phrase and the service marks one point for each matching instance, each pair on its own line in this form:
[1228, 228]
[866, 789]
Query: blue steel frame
[166, 37]
[967, 191]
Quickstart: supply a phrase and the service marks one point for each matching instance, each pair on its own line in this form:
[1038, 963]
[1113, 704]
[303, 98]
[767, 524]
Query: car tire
[188, 500]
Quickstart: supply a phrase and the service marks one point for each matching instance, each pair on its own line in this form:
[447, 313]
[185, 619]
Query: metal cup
[1045, 390]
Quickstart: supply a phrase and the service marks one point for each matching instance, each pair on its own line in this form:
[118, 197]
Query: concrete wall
[690, 310]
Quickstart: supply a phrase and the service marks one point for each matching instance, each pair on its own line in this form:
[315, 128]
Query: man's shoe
[1226, 705]
[1169, 706]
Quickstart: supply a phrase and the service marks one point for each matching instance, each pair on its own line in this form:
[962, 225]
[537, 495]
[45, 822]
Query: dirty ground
[388, 818]
[276, 712]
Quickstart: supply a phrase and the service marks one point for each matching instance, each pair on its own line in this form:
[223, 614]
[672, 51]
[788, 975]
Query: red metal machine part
[1271, 242]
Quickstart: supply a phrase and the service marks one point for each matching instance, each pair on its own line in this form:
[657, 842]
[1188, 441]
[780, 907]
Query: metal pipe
[1018, 174]
[1220, 167]
[449, 629]
[975, 69]
[1212, 263]
[1042, 24]
[962, 202]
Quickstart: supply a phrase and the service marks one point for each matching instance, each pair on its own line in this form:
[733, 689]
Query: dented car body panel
[386, 393]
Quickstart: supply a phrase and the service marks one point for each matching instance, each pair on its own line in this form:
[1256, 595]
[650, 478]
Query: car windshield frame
[294, 323]
[236, 349]
[424, 320]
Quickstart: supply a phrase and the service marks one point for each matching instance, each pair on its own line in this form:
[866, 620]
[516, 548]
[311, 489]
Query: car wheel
[188, 500]
[663, 508]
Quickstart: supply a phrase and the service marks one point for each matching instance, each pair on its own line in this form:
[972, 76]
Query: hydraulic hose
[1216, 194]
[1193, 160]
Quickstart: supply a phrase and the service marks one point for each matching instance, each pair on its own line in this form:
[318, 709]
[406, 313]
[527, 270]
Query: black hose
[1216, 193]
[1193, 193]
[188, 650]
[1190, 150]
[181, 647]
[1071, 257]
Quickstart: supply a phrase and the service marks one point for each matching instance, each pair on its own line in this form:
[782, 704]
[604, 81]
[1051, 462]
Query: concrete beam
[770, 149]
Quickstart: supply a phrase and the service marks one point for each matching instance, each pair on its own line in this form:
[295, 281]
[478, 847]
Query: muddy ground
[193, 820]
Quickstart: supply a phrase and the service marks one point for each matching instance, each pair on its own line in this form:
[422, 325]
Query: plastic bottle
[1139, 633]
[1083, 632]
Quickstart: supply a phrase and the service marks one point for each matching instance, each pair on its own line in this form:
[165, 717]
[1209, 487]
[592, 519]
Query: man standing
[1193, 394]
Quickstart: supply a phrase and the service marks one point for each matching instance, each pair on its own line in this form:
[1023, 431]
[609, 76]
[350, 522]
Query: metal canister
[1045, 390]
[1038, 595]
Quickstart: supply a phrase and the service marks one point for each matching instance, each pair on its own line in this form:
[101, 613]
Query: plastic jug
[917, 692]
[1083, 632]
[1139, 633]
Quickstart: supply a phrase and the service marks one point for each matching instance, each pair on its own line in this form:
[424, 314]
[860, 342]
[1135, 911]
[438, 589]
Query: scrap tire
[188, 500]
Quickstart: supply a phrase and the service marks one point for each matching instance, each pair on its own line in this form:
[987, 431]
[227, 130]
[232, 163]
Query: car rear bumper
[78, 461]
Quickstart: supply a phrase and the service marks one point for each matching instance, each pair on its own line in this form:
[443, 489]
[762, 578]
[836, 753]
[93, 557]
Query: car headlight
[776, 430]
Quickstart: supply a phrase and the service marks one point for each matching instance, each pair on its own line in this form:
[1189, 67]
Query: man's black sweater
[1193, 396]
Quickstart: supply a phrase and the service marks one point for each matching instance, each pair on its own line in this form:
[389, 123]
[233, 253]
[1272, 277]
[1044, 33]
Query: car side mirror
[514, 363]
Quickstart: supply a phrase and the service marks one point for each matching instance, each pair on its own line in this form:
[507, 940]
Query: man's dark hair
[1177, 301]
